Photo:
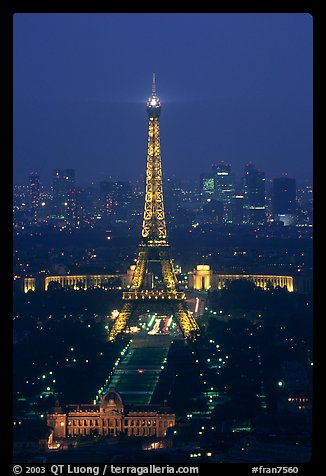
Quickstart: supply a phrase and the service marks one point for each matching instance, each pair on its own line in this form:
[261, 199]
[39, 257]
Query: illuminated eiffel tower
[154, 247]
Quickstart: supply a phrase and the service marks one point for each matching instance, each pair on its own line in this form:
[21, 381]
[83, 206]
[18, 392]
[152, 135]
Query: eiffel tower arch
[154, 247]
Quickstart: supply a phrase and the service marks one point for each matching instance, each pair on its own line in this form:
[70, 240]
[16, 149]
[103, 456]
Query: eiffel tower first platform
[154, 249]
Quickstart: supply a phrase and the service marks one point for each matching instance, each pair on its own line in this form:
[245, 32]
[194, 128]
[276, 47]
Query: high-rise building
[284, 204]
[206, 186]
[63, 184]
[223, 182]
[34, 193]
[237, 212]
[284, 195]
[223, 187]
[255, 195]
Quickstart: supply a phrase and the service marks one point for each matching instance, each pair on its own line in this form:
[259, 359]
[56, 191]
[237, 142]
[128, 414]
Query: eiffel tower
[154, 247]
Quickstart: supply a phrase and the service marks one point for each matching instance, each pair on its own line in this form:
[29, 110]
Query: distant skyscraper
[63, 185]
[206, 186]
[223, 187]
[284, 195]
[284, 205]
[255, 193]
[237, 215]
[34, 193]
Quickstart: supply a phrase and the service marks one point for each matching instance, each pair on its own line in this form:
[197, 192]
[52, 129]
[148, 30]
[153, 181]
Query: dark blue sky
[233, 87]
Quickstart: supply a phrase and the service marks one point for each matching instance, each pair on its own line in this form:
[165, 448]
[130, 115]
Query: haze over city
[233, 87]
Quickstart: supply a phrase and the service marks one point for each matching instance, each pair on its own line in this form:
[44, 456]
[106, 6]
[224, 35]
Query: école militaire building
[110, 417]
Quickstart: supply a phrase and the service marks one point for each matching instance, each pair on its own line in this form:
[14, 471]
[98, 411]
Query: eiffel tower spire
[153, 85]
[154, 246]
[154, 227]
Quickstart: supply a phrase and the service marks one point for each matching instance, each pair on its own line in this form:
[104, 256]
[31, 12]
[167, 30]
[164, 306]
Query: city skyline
[236, 88]
[46, 181]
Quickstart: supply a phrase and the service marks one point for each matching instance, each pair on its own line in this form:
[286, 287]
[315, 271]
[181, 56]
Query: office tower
[63, 183]
[255, 195]
[237, 209]
[223, 187]
[284, 204]
[206, 186]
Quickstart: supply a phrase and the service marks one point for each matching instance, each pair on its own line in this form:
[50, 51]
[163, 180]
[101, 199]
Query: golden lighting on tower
[154, 246]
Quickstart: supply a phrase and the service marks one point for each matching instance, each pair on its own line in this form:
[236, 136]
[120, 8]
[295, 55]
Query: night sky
[233, 87]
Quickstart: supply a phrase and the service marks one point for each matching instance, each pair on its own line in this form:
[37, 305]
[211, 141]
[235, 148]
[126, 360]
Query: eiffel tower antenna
[154, 246]
[153, 85]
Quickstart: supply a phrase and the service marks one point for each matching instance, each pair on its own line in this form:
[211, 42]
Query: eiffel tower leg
[121, 321]
[139, 273]
[168, 274]
[185, 319]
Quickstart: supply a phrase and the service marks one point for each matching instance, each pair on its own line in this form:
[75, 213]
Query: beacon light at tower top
[153, 103]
